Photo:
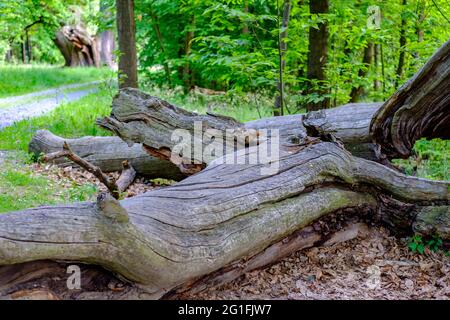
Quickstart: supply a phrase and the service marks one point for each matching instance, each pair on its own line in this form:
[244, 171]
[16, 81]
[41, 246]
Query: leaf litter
[375, 265]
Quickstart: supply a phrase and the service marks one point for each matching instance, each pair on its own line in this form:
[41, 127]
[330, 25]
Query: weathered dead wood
[18, 282]
[420, 108]
[126, 177]
[77, 46]
[350, 123]
[211, 226]
[181, 233]
[140, 118]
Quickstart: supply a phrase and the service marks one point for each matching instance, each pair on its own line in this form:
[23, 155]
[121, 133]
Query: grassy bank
[22, 187]
[70, 120]
[18, 80]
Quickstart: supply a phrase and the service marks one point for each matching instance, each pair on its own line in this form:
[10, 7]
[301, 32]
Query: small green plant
[418, 244]
[415, 244]
[435, 243]
[431, 160]
[81, 193]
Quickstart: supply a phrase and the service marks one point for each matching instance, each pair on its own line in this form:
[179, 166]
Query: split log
[350, 123]
[225, 213]
[107, 153]
[420, 108]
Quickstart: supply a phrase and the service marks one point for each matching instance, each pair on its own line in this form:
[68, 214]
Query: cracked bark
[224, 220]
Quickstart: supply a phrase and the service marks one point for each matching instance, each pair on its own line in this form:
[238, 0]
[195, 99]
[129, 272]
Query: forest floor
[375, 265]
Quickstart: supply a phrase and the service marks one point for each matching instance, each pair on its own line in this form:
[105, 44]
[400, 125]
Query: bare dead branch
[115, 187]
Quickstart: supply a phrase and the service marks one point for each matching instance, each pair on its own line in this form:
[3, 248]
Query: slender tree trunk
[317, 56]
[24, 51]
[383, 74]
[187, 72]
[357, 92]
[376, 62]
[161, 45]
[106, 39]
[401, 58]
[107, 46]
[282, 48]
[28, 43]
[419, 30]
[126, 28]
[9, 55]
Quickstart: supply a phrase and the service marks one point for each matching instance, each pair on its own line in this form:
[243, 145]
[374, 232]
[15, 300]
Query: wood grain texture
[211, 219]
[107, 153]
[350, 123]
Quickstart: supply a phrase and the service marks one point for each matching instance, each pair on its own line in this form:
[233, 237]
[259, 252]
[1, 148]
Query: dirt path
[14, 109]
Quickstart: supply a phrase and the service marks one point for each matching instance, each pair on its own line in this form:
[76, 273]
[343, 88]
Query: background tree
[106, 38]
[126, 29]
[318, 55]
[279, 102]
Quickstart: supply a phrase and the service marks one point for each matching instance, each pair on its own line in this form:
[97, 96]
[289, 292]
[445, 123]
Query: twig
[115, 187]
[126, 177]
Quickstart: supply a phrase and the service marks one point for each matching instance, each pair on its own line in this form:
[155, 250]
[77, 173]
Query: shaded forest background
[332, 52]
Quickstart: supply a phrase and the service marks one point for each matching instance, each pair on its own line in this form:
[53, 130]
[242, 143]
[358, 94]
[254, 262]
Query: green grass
[245, 107]
[18, 80]
[20, 188]
[431, 160]
[70, 120]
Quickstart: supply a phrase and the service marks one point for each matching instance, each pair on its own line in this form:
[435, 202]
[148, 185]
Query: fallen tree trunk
[350, 123]
[212, 219]
[107, 153]
[48, 279]
[140, 118]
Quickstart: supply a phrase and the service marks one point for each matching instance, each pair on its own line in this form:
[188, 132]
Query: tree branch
[115, 187]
